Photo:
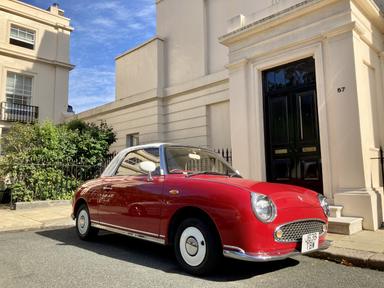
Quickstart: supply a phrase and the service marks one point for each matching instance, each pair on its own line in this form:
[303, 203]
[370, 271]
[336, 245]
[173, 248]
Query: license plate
[310, 242]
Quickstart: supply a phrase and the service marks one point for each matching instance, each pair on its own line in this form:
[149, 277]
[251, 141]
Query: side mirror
[148, 167]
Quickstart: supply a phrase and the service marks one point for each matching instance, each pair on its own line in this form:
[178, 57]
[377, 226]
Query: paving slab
[39, 217]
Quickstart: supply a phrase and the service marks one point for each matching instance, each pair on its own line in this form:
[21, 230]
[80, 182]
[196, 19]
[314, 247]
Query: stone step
[345, 225]
[335, 210]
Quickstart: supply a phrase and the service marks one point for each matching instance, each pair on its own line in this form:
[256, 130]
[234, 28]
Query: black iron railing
[13, 112]
[225, 153]
[49, 180]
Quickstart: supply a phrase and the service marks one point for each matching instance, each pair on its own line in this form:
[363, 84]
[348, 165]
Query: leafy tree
[45, 161]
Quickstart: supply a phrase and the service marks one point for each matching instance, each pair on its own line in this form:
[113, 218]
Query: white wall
[186, 116]
[181, 23]
[219, 133]
[191, 30]
[140, 69]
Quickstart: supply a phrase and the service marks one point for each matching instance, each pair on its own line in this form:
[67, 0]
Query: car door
[130, 200]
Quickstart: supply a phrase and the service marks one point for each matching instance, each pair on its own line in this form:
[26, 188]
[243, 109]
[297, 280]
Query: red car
[193, 199]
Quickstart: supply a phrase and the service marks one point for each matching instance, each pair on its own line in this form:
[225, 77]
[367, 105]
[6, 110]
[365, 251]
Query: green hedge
[47, 162]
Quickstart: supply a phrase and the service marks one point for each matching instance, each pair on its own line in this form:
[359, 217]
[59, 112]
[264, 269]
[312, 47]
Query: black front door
[291, 125]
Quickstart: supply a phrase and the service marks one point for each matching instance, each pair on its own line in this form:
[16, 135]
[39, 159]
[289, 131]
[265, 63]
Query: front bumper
[237, 253]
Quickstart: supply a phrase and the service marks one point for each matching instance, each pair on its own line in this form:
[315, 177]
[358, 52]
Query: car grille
[293, 232]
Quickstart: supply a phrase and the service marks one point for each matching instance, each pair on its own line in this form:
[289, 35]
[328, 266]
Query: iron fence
[226, 153]
[44, 181]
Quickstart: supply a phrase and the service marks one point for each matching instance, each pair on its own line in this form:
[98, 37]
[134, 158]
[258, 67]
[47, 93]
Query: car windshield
[192, 161]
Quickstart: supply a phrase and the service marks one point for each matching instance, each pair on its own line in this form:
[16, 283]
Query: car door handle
[107, 188]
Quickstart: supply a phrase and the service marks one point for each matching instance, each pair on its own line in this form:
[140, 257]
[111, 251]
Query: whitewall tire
[197, 247]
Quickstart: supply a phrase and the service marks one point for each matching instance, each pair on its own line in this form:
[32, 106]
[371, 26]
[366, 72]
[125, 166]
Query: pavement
[35, 218]
[364, 249]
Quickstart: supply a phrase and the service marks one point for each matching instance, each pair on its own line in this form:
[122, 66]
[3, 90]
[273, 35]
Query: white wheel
[192, 246]
[197, 246]
[83, 222]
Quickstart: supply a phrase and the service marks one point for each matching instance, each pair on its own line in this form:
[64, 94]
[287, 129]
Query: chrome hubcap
[191, 246]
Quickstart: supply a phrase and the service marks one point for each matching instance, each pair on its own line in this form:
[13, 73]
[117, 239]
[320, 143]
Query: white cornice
[275, 19]
[372, 12]
[349, 27]
[31, 58]
[139, 46]
[34, 17]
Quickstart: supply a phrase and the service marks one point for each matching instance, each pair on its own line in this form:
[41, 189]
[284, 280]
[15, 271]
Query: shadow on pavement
[160, 257]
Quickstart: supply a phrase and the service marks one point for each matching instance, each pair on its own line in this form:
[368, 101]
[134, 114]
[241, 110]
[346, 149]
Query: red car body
[151, 208]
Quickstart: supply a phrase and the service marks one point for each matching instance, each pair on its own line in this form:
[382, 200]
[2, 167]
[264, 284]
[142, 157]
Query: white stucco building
[294, 87]
[34, 63]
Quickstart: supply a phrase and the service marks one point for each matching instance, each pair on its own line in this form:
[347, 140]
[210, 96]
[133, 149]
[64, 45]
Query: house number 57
[340, 89]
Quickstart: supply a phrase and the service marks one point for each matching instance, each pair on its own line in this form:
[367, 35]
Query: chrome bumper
[238, 253]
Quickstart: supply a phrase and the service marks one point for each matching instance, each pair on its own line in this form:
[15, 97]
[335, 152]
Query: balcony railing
[12, 112]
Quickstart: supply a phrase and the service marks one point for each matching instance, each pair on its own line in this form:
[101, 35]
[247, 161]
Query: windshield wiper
[189, 174]
[234, 175]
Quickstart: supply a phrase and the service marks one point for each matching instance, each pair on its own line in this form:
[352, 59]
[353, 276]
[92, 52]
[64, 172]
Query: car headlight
[263, 207]
[324, 204]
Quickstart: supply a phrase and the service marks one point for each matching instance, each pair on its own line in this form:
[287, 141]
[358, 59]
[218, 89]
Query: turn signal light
[279, 234]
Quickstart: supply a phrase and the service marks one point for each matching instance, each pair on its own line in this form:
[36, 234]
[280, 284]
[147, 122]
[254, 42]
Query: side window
[130, 165]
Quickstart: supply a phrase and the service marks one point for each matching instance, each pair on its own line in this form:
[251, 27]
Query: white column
[348, 138]
[238, 95]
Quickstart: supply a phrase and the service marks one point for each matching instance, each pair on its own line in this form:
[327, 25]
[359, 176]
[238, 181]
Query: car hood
[281, 194]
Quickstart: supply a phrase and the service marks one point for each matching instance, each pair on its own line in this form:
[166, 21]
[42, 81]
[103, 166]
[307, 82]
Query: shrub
[39, 158]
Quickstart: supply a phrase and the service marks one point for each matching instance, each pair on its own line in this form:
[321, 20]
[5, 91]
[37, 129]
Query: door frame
[295, 157]
[256, 109]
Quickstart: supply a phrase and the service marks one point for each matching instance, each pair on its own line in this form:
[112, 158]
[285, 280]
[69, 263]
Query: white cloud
[103, 29]
[106, 5]
[112, 20]
[91, 87]
[104, 22]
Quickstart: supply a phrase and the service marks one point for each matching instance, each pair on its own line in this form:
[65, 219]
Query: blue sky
[103, 30]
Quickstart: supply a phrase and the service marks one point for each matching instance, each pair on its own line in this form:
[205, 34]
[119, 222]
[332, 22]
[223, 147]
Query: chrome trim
[124, 228]
[163, 164]
[296, 221]
[128, 232]
[272, 256]
[229, 247]
[274, 208]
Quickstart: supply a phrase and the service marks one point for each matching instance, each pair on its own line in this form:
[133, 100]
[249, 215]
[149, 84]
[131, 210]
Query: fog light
[325, 228]
[279, 234]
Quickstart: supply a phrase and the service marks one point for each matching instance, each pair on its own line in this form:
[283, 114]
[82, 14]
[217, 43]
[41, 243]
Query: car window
[130, 165]
[186, 159]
